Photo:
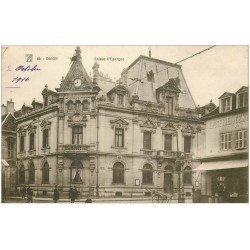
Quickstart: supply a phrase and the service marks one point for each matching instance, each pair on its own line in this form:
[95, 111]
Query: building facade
[224, 168]
[8, 161]
[112, 138]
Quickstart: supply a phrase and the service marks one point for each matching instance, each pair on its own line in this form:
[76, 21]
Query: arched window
[85, 106]
[168, 179]
[118, 173]
[21, 175]
[45, 173]
[31, 173]
[78, 105]
[147, 174]
[76, 172]
[187, 176]
[32, 141]
[70, 106]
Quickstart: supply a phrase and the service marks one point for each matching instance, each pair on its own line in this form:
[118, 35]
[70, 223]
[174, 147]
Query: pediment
[148, 123]
[119, 89]
[226, 94]
[119, 121]
[169, 126]
[187, 128]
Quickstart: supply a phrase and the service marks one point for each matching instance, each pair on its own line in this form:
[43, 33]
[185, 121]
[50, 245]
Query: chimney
[95, 73]
[10, 107]
[149, 52]
[4, 109]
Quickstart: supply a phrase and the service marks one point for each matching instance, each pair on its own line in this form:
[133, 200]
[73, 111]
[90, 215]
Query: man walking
[29, 195]
[71, 195]
[56, 194]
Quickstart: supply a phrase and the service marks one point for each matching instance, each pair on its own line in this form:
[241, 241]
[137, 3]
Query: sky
[208, 75]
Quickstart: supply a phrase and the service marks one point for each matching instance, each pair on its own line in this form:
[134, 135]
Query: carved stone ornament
[77, 119]
[169, 128]
[188, 129]
[119, 123]
[31, 128]
[45, 124]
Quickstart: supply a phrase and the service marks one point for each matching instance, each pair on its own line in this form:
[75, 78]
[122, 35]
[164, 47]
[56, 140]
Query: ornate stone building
[111, 138]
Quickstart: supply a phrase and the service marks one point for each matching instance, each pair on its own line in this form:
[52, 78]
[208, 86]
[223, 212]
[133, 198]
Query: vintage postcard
[162, 124]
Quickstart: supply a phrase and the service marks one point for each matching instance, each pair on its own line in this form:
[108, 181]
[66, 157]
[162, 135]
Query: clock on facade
[77, 82]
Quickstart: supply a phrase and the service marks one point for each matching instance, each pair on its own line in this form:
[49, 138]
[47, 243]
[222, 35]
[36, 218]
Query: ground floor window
[147, 174]
[45, 173]
[118, 173]
[168, 179]
[31, 173]
[21, 175]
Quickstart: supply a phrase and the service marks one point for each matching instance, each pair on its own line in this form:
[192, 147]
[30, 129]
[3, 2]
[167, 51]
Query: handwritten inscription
[27, 68]
[20, 79]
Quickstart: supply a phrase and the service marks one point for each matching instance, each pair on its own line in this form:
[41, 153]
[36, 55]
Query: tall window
[77, 135]
[119, 137]
[10, 144]
[187, 144]
[45, 101]
[45, 138]
[45, 173]
[168, 142]
[78, 106]
[226, 141]
[70, 106]
[76, 172]
[32, 141]
[118, 173]
[187, 175]
[147, 140]
[86, 105]
[241, 139]
[169, 105]
[21, 175]
[120, 99]
[22, 143]
[242, 100]
[147, 174]
[31, 173]
[226, 104]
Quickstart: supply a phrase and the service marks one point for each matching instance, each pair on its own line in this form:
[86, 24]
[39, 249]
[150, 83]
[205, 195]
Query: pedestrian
[88, 200]
[75, 193]
[71, 195]
[56, 194]
[23, 192]
[29, 195]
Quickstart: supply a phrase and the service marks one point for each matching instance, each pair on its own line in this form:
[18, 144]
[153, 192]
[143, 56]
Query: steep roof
[147, 74]
[76, 71]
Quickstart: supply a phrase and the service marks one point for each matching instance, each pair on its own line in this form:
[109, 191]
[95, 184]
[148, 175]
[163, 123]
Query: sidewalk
[16, 199]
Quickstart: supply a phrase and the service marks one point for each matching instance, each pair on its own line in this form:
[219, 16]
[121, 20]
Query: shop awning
[216, 165]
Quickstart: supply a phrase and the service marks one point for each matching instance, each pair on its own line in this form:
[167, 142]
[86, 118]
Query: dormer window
[169, 105]
[242, 100]
[226, 104]
[45, 101]
[120, 99]
[150, 76]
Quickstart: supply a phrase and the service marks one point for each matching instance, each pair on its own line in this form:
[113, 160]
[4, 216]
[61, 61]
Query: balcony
[167, 153]
[77, 148]
[148, 152]
[173, 154]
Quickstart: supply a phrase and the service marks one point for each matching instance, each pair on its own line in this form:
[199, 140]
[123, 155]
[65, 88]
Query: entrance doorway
[168, 179]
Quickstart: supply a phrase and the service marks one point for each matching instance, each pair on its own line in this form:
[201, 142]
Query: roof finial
[46, 86]
[78, 50]
[149, 51]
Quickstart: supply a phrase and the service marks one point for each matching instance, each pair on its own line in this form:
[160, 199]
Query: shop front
[224, 181]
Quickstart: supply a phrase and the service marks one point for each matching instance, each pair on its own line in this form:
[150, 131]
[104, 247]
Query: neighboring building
[8, 160]
[113, 139]
[225, 162]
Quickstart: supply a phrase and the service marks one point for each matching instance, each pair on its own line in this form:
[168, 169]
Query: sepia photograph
[124, 124]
